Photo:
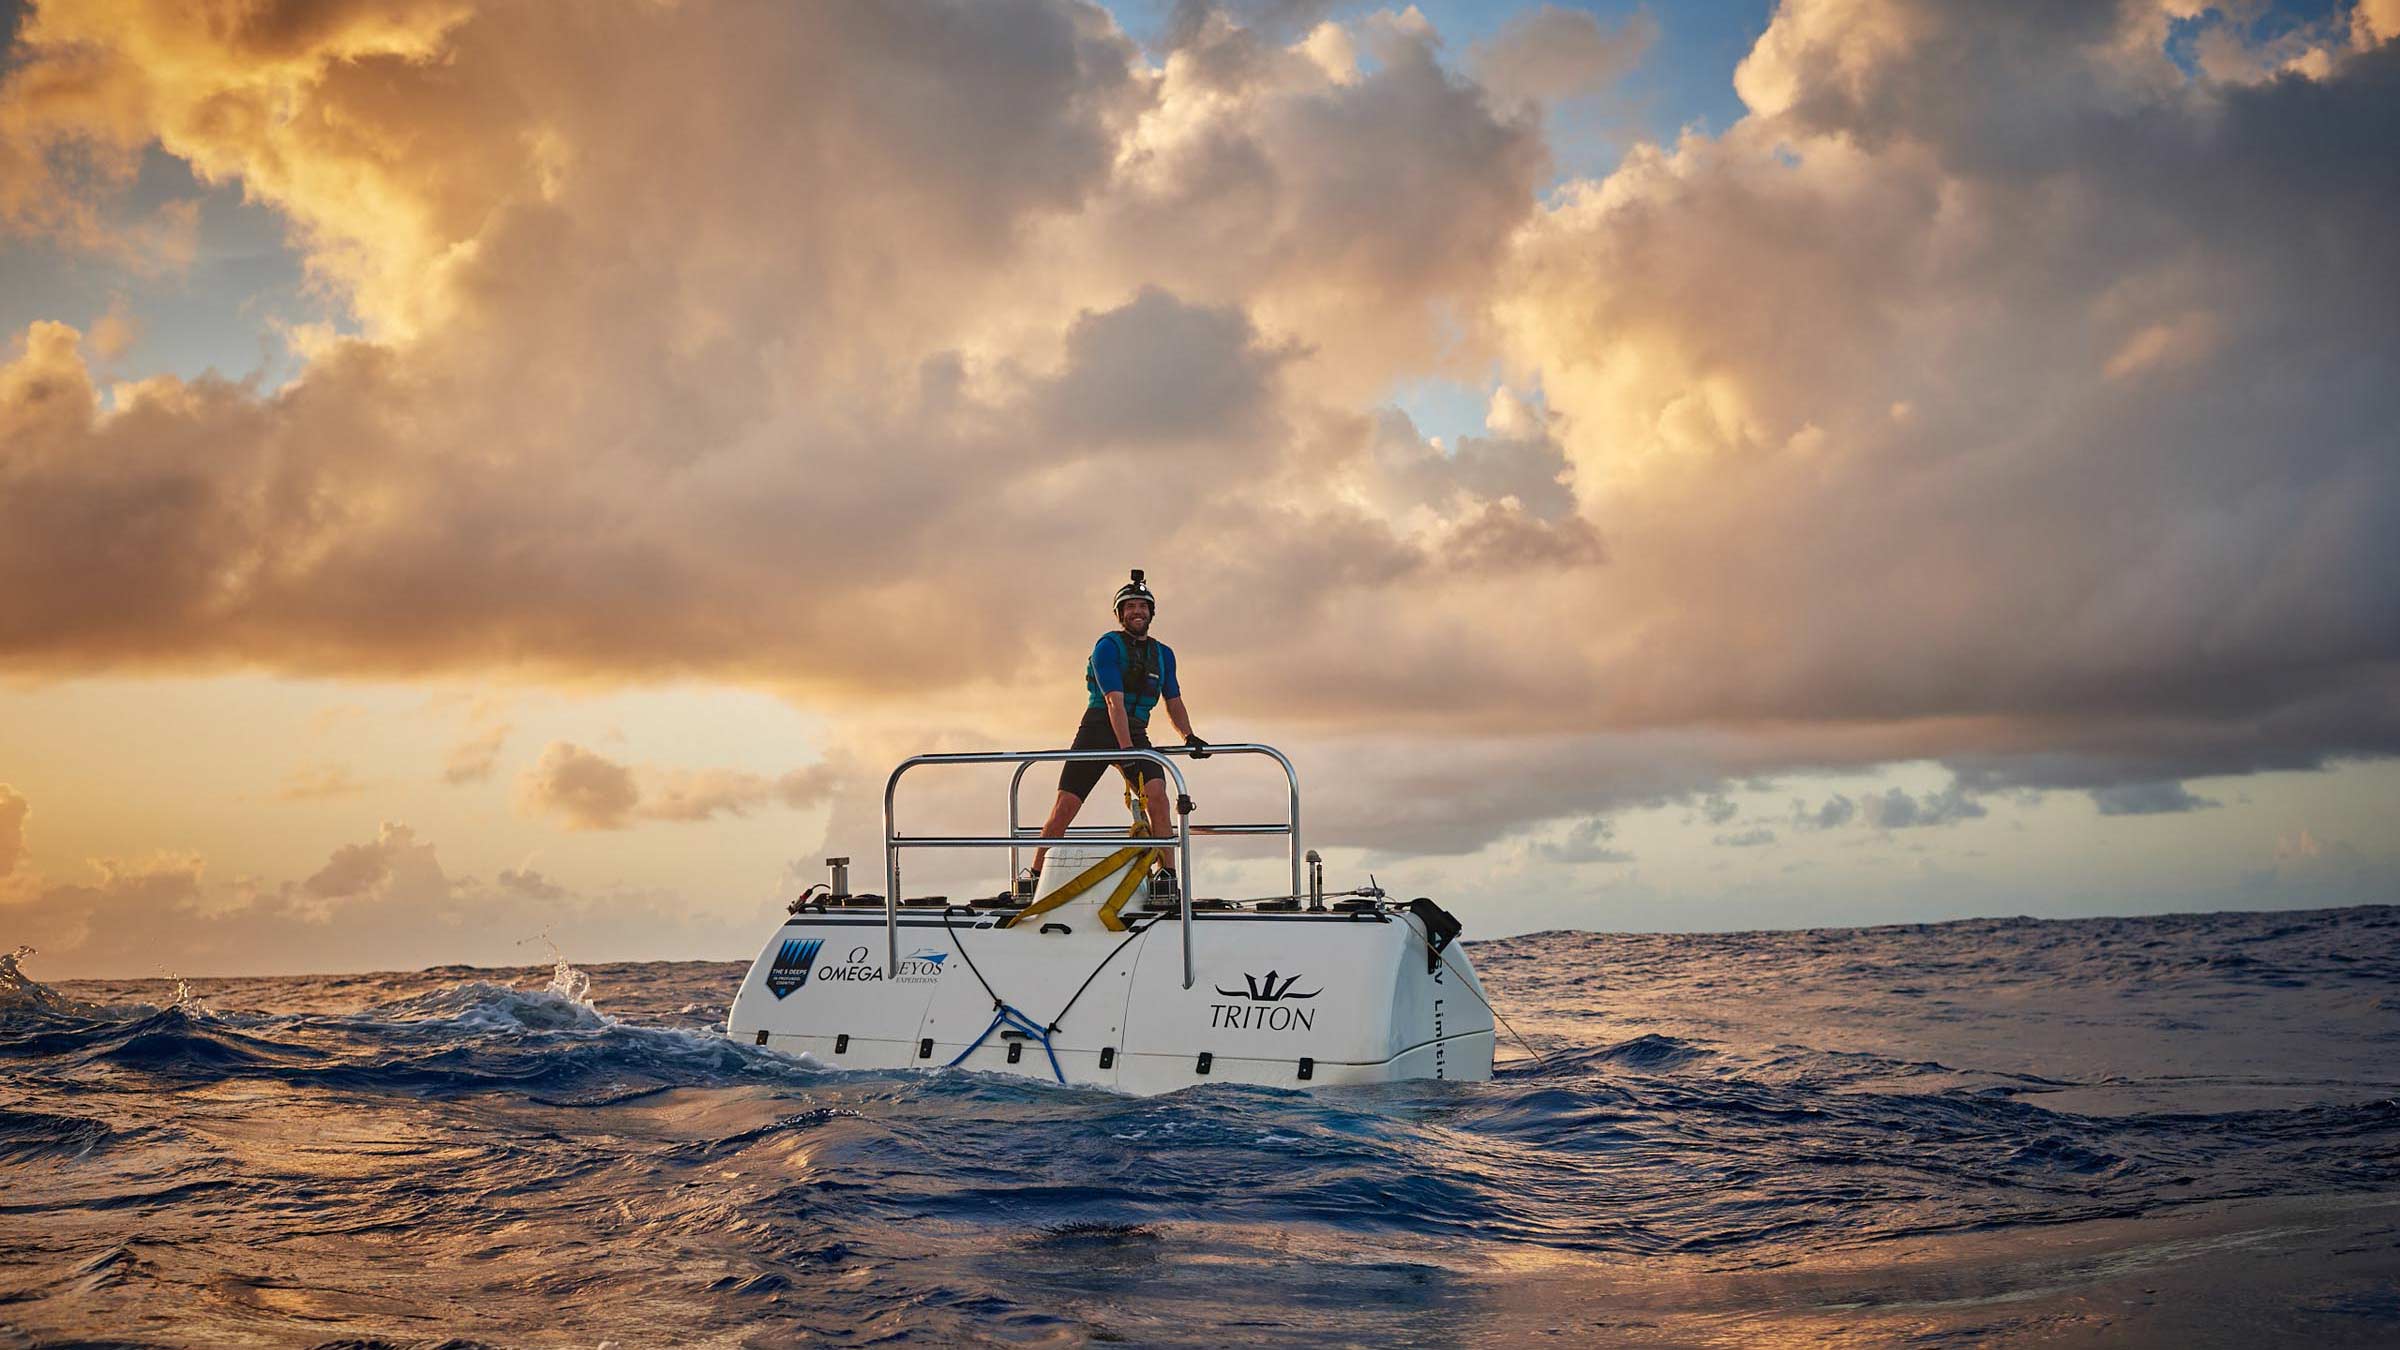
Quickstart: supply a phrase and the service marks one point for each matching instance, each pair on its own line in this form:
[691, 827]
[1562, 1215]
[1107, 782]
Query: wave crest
[487, 1008]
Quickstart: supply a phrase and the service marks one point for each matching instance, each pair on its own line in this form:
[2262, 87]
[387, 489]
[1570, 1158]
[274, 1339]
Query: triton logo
[1274, 990]
[793, 961]
[1268, 990]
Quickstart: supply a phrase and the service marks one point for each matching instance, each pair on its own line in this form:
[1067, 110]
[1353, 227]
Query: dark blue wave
[1744, 1100]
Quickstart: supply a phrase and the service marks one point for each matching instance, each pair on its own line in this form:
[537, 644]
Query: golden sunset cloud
[1996, 392]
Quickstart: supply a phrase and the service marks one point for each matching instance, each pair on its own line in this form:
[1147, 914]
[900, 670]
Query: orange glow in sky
[479, 473]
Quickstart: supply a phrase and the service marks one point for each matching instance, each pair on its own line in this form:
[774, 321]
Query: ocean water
[2168, 1131]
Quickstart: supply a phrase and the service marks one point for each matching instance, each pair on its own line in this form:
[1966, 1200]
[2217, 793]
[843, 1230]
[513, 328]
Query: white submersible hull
[1084, 985]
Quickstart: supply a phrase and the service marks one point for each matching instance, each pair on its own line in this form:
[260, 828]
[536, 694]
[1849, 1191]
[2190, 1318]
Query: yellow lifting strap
[1140, 811]
[1131, 859]
[1135, 874]
[1137, 808]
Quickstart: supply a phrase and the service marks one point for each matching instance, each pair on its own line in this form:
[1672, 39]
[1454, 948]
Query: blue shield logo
[793, 961]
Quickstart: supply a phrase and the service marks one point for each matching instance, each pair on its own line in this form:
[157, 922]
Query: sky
[484, 479]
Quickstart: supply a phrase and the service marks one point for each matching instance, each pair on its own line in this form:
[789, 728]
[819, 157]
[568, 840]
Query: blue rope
[1015, 1021]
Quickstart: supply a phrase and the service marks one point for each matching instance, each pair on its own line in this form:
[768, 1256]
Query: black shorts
[1077, 776]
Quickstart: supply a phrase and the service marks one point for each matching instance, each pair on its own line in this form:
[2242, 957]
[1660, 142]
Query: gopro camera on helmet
[1135, 589]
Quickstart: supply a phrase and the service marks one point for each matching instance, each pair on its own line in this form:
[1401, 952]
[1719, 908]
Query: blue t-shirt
[1104, 674]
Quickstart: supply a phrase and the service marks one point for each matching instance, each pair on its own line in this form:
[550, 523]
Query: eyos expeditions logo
[1266, 1006]
[921, 966]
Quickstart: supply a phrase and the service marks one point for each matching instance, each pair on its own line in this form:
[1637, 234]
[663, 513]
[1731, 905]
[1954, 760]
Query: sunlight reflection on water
[2156, 1130]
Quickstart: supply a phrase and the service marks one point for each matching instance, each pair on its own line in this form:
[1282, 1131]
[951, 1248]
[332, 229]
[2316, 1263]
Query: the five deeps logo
[792, 963]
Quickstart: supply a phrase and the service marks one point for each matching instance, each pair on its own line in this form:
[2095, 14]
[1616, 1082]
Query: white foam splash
[20, 992]
[565, 1004]
[568, 983]
[187, 1002]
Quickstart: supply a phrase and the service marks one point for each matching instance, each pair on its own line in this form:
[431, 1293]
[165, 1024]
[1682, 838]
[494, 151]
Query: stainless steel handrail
[894, 841]
[1291, 780]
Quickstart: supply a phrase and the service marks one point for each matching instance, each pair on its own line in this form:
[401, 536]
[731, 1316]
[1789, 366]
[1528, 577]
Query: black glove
[1199, 748]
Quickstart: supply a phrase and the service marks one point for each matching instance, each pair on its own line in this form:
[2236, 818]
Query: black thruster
[925, 1048]
[1016, 1051]
[841, 1044]
[762, 1035]
[1108, 1057]
[1308, 1068]
[1207, 1058]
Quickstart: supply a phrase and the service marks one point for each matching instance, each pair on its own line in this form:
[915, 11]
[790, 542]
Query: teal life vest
[1146, 665]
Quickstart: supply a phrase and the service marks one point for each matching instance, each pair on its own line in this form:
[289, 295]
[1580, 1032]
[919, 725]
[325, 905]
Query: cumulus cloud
[124, 900]
[690, 795]
[530, 884]
[1196, 21]
[1454, 795]
[115, 331]
[381, 904]
[2374, 21]
[2147, 799]
[1899, 809]
[1923, 190]
[1520, 460]
[1836, 810]
[1589, 840]
[1754, 837]
[589, 791]
[1892, 809]
[1552, 53]
[826, 347]
[778, 423]
[394, 865]
[1159, 373]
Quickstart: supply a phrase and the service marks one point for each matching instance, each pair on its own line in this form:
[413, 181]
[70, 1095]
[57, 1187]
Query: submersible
[1092, 979]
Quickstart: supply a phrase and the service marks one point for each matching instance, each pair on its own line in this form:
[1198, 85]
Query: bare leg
[1161, 825]
[1062, 814]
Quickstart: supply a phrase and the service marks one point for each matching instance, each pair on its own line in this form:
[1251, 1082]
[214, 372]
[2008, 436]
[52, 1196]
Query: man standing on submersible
[1127, 675]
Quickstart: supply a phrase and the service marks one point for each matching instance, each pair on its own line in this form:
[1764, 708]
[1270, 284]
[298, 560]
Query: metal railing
[1016, 839]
